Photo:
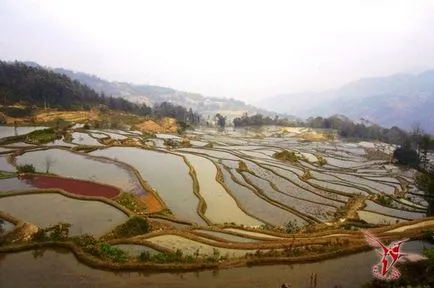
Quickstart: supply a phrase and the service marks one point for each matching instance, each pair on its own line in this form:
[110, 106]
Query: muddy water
[86, 217]
[60, 269]
[68, 164]
[167, 173]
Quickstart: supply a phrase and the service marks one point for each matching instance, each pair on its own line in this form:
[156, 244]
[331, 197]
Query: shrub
[17, 112]
[59, 232]
[385, 201]
[291, 226]
[428, 236]
[115, 254]
[26, 168]
[429, 253]
[130, 202]
[321, 160]
[134, 226]
[242, 166]
[286, 156]
[42, 136]
[145, 256]
[306, 175]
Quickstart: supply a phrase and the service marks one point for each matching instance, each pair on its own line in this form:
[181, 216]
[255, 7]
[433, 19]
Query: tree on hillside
[406, 156]
[221, 120]
[425, 182]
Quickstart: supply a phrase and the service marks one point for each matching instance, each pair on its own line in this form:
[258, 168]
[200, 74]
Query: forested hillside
[34, 86]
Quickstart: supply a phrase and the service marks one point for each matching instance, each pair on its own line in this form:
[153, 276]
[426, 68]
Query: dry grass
[166, 125]
[73, 116]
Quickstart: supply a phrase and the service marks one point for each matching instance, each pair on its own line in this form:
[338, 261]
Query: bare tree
[48, 163]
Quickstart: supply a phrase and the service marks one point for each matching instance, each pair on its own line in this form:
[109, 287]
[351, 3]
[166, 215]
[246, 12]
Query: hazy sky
[242, 49]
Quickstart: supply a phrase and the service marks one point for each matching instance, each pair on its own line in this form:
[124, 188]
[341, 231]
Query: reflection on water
[60, 269]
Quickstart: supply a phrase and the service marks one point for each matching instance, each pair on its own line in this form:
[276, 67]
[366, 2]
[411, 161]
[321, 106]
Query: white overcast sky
[242, 49]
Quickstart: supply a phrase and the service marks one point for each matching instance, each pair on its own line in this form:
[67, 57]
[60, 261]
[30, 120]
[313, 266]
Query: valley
[131, 200]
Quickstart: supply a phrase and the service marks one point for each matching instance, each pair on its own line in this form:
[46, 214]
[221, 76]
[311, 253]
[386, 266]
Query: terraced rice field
[211, 201]
[168, 174]
[67, 164]
[47, 209]
[216, 196]
[73, 186]
[191, 247]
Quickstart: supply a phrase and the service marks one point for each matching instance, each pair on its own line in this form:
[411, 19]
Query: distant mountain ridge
[152, 95]
[398, 100]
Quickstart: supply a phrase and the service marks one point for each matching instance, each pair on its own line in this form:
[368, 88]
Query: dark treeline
[37, 87]
[178, 112]
[348, 129]
[259, 120]
[343, 126]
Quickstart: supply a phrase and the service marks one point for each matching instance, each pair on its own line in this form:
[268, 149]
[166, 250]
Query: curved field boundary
[201, 207]
[330, 191]
[260, 193]
[219, 179]
[146, 187]
[91, 261]
[270, 201]
[72, 196]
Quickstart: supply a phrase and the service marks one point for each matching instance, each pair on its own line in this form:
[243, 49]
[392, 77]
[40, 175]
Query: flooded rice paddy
[47, 209]
[235, 180]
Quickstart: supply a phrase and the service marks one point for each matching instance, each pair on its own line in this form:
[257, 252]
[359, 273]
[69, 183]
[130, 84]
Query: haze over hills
[152, 95]
[398, 100]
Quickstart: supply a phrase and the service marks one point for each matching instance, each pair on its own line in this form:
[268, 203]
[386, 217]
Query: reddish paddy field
[152, 203]
[72, 186]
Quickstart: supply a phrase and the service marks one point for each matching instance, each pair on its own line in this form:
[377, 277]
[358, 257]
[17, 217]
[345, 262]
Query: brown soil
[152, 203]
[166, 125]
[312, 136]
[75, 116]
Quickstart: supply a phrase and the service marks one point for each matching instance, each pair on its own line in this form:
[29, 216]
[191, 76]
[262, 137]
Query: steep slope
[400, 100]
[35, 86]
[155, 94]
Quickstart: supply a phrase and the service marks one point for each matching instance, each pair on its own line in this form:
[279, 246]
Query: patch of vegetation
[26, 168]
[148, 135]
[286, 155]
[306, 175]
[406, 156]
[428, 236]
[102, 250]
[385, 200]
[182, 127]
[17, 112]
[429, 253]
[134, 226]
[131, 202]
[68, 137]
[177, 257]
[2, 222]
[321, 160]
[242, 166]
[171, 143]
[292, 226]
[114, 254]
[425, 182]
[59, 232]
[43, 136]
[4, 174]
